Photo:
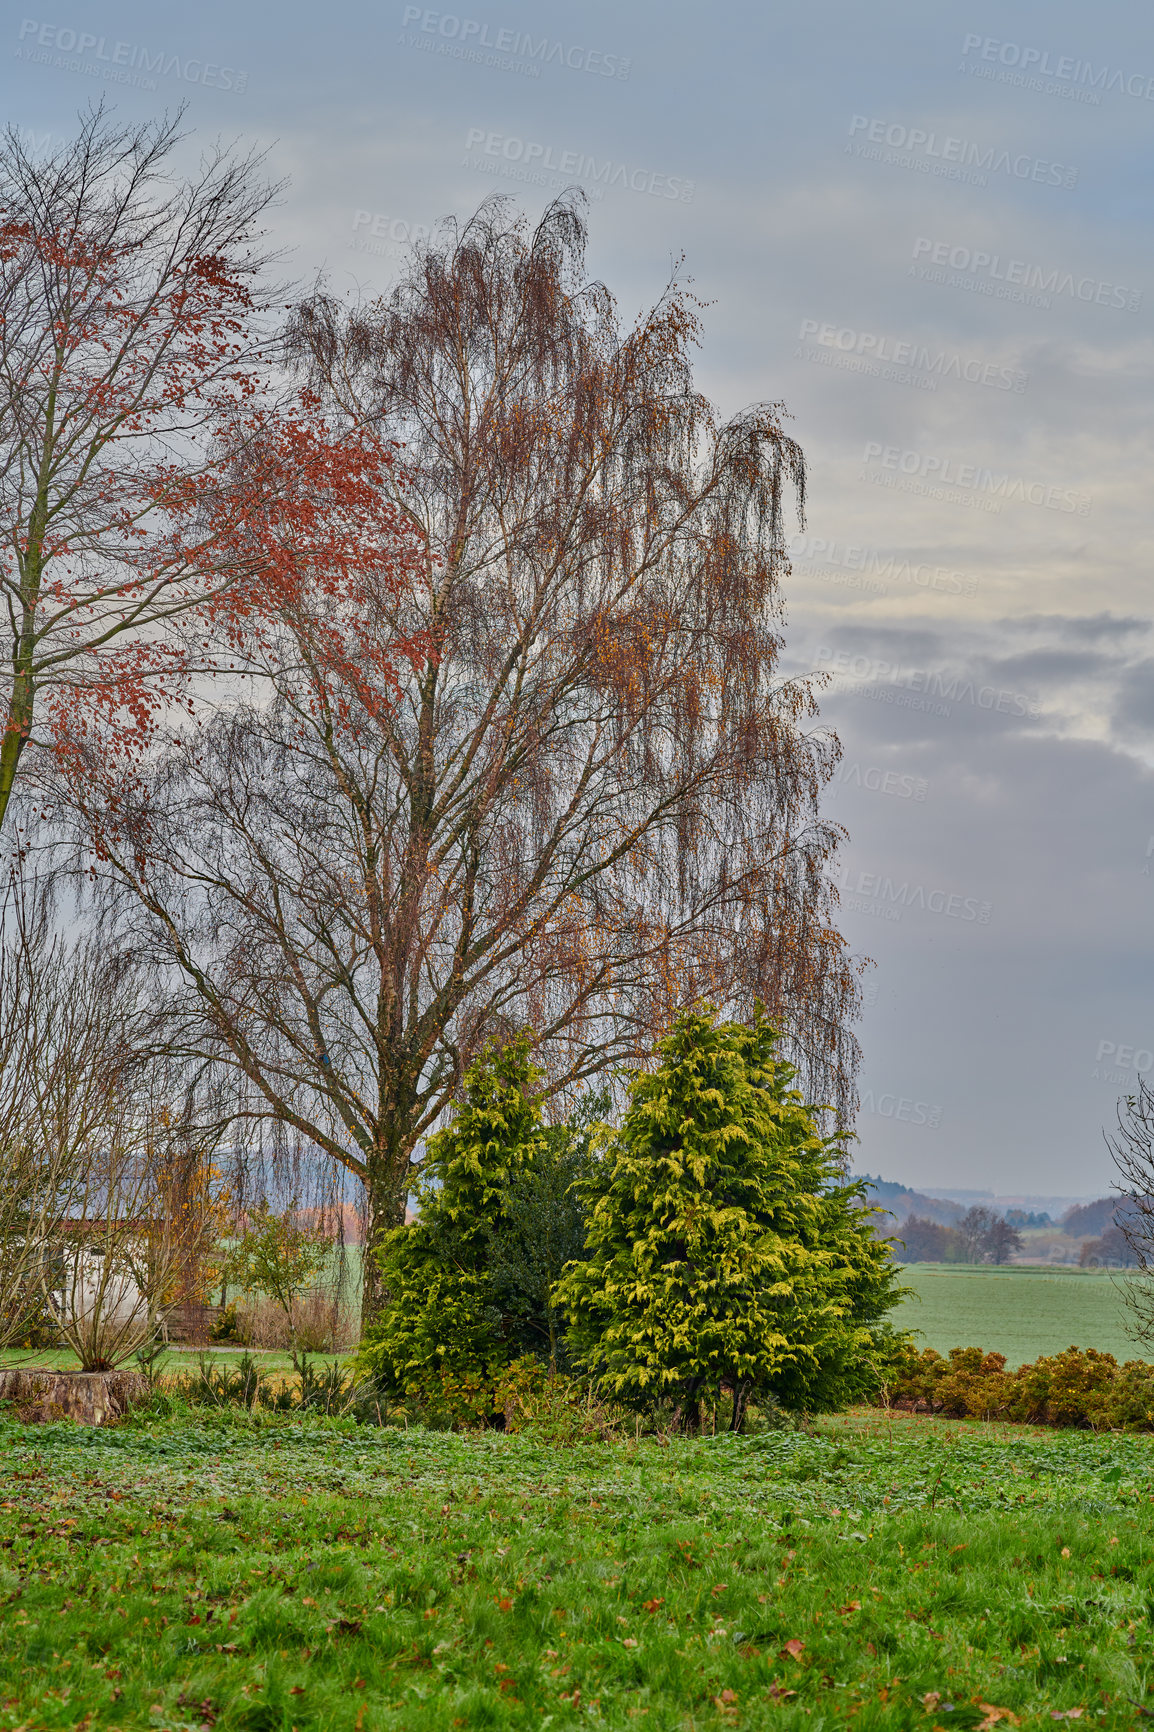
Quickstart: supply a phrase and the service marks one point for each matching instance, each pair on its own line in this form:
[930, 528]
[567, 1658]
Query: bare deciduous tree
[106, 1189]
[59, 1055]
[1131, 1144]
[590, 800]
[130, 348]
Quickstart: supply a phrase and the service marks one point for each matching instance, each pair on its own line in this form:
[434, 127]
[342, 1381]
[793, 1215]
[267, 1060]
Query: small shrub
[215, 1385]
[332, 1390]
[556, 1408]
[280, 1258]
[229, 1326]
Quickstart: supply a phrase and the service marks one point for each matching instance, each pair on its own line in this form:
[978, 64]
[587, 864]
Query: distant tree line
[981, 1236]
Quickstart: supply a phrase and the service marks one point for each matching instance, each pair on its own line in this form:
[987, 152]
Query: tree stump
[89, 1397]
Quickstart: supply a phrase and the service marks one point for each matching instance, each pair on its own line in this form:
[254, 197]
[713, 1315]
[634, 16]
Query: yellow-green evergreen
[725, 1251]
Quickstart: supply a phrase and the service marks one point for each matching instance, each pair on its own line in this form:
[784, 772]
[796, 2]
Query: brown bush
[1078, 1387]
[321, 1324]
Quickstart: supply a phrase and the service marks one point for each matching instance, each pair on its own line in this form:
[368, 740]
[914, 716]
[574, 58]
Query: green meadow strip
[215, 1570]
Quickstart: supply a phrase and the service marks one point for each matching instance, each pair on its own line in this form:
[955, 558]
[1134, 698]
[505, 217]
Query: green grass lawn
[208, 1571]
[176, 1362]
[1021, 1312]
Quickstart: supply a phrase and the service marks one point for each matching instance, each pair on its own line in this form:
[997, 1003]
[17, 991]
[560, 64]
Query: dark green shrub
[448, 1331]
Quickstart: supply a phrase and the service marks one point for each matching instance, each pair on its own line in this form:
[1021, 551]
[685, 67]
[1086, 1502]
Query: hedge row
[1080, 1387]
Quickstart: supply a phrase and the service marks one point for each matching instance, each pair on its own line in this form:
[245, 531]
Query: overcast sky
[927, 230]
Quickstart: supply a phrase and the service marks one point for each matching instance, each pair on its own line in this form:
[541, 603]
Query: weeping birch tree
[585, 799]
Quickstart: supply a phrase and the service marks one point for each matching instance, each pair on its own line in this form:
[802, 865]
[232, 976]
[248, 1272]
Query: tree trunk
[388, 1195]
[17, 727]
[91, 1397]
[740, 1403]
[687, 1415]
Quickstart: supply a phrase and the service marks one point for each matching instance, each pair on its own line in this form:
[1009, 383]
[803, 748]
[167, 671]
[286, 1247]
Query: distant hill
[901, 1201]
[1082, 1220]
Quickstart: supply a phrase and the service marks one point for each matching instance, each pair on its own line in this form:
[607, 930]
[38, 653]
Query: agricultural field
[1021, 1312]
[208, 1569]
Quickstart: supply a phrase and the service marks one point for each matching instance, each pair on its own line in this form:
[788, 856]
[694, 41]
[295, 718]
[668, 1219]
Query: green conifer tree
[442, 1337]
[724, 1250]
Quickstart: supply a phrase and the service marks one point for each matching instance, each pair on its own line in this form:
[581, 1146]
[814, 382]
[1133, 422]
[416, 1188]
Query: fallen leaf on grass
[930, 1700]
[652, 1606]
[794, 1649]
[777, 1694]
[503, 1605]
[1066, 1713]
[850, 1606]
[993, 1715]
